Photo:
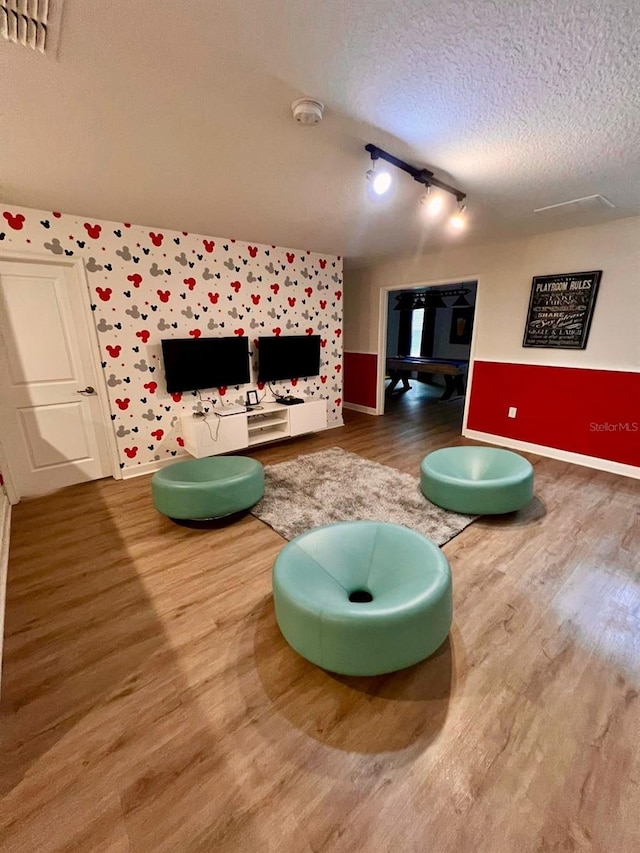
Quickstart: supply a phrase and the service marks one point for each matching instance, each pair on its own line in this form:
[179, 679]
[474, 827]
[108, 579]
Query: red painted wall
[593, 412]
[360, 378]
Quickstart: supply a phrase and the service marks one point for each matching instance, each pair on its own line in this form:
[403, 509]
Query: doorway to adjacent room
[426, 345]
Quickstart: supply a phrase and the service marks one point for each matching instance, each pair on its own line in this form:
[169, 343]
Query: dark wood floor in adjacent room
[150, 703]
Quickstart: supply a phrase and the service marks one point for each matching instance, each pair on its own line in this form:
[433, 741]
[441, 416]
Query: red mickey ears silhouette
[156, 239]
[92, 230]
[16, 221]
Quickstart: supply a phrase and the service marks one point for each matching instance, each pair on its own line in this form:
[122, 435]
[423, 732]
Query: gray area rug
[336, 485]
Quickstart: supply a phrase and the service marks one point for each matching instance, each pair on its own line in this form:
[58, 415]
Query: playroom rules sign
[560, 310]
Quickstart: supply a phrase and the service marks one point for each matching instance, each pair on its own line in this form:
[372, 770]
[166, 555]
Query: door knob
[87, 390]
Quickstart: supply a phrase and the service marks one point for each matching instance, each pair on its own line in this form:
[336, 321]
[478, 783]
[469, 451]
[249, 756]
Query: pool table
[453, 370]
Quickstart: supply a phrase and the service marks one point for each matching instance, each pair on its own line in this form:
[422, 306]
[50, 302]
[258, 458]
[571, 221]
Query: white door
[51, 420]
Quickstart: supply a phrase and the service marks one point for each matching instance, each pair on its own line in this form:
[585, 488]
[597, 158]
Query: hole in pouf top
[360, 596]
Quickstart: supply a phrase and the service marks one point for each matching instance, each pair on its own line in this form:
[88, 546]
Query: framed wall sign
[461, 326]
[560, 310]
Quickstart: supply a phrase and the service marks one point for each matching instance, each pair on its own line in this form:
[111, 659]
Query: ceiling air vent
[25, 22]
[588, 204]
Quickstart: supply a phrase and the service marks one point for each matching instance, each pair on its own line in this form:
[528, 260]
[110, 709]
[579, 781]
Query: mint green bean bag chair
[477, 480]
[362, 597]
[213, 487]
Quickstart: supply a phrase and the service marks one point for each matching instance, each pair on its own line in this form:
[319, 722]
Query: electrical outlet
[512, 411]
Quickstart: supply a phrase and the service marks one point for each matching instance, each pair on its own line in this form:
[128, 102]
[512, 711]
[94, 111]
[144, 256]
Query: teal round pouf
[477, 480]
[201, 489]
[362, 597]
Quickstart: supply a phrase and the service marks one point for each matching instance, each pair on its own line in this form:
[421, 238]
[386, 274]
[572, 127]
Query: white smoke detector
[307, 110]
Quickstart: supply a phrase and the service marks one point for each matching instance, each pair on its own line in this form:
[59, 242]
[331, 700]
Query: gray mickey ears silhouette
[92, 266]
[55, 247]
[124, 253]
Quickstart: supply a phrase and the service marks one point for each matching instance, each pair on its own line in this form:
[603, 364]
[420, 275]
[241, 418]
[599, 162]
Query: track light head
[380, 181]
[458, 220]
[432, 202]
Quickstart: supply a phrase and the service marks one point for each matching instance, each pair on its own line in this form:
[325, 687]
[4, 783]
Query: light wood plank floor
[150, 703]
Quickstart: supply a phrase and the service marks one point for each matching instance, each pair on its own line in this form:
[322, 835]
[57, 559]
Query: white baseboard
[5, 520]
[553, 453]
[356, 408]
[152, 467]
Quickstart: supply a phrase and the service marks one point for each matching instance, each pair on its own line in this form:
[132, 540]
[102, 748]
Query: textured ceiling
[177, 115]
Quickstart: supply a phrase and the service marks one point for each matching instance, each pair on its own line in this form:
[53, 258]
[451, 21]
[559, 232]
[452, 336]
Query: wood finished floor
[150, 703]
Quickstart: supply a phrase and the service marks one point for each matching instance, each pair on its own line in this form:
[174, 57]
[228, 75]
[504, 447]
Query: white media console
[212, 434]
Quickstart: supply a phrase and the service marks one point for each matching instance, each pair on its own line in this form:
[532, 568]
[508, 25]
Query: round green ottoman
[477, 480]
[362, 597]
[208, 488]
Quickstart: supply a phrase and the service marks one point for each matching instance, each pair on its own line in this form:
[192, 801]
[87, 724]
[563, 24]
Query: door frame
[77, 267]
[382, 333]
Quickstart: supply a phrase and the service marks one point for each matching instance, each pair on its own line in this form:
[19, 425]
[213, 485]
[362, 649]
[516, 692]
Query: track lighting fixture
[433, 203]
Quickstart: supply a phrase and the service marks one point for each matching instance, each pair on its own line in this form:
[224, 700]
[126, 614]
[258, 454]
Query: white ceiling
[177, 114]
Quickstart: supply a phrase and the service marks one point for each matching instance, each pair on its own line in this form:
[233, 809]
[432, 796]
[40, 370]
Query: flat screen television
[191, 364]
[288, 357]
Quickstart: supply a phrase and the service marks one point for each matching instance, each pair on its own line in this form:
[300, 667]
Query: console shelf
[213, 435]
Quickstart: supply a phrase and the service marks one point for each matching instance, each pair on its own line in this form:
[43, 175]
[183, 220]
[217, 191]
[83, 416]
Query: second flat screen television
[288, 357]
